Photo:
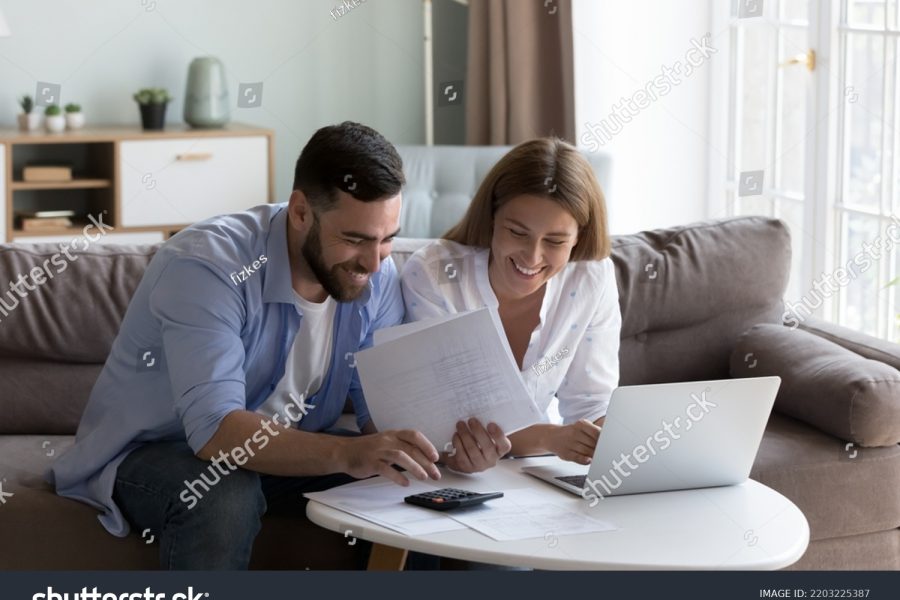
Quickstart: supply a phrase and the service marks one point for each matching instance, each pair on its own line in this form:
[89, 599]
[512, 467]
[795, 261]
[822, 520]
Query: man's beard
[329, 278]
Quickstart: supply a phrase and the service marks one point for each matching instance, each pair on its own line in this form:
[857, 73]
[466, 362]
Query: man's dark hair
[350, 157]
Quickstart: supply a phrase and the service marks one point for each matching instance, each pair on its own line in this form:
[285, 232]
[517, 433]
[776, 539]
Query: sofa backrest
[441, 181]
[55, 338]
[685, 293]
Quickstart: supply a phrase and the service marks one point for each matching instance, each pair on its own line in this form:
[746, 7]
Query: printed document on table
[447, 372]
[523, 513]
[381, 502]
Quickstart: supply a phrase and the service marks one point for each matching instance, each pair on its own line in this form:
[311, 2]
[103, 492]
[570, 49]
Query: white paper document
[443, 372]
[381, 502]
[522, 514]
[389, 334]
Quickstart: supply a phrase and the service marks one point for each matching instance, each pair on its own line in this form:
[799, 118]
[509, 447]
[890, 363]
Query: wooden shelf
[111, 159]
[78, 183]
[110, 133]
[73, 230]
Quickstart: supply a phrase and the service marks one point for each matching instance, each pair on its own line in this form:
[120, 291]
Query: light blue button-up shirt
[198, 342]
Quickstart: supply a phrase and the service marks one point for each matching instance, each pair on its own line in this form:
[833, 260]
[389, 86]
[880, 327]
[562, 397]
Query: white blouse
[573, 353]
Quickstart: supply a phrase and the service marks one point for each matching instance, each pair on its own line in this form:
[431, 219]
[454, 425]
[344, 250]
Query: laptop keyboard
[576, 480]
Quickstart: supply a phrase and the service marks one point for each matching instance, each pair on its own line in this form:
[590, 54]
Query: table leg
[386, 558]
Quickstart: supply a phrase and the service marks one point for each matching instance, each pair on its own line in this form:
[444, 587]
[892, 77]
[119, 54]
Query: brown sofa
[690, 297]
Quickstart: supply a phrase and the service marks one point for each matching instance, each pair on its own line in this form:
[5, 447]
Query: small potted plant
[28, 120]
[54, 119]
[74, 116]
[153, 102]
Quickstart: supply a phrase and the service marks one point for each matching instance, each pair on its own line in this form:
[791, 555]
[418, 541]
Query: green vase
[206, 97]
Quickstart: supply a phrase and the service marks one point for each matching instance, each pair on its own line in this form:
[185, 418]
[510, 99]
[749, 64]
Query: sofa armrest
[860, 343]
[824, 384]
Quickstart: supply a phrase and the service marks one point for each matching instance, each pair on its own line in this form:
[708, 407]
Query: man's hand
[374, 454]
[476, 448]
[574, 442]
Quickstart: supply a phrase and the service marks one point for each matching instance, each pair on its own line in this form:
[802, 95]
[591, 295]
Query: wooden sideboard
[147, 184]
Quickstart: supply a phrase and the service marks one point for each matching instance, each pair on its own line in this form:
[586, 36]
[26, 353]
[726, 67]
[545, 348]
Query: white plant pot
[29, 121]
[74, 120]
[55, 124]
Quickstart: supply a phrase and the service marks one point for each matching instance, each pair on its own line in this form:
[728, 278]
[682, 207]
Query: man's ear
[300, 211]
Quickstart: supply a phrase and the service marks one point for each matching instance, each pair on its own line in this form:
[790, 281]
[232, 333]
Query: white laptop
[673, 436]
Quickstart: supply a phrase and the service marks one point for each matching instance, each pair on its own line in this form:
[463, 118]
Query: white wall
[659, 158]
[364, 66]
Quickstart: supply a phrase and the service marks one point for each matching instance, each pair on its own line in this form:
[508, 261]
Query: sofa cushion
[687, 293]
[823, 384]
[75, 315]
[44, 396]
[842, 489]
[863, 344]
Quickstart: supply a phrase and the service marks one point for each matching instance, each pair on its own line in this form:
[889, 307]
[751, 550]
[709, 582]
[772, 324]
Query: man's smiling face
[345, 244]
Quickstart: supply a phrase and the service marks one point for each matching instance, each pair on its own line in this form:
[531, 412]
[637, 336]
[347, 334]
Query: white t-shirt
[573, 353]
[309, 358]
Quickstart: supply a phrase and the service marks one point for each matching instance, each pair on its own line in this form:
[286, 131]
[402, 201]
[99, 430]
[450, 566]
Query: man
[237, 348]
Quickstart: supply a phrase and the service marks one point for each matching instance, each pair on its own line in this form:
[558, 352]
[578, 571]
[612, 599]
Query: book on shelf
[47, 172]
[43, 220]
[45, 224]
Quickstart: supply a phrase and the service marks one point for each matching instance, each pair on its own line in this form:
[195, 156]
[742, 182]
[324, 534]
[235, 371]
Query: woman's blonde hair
[549, 168]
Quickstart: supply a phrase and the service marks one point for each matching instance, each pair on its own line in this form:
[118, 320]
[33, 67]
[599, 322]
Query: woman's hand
[574, 442]
[475, 448]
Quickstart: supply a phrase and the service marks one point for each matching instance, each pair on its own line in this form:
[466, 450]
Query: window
[810, 137]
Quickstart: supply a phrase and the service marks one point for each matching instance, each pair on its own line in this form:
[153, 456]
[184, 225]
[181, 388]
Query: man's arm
[205, 357]
[257, 444]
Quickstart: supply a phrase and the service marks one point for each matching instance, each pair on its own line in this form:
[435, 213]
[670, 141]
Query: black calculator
[450, 498]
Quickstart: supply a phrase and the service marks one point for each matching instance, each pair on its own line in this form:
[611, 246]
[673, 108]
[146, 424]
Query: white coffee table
[748, 526]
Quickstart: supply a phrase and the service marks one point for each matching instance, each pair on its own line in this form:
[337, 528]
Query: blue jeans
[217, 531]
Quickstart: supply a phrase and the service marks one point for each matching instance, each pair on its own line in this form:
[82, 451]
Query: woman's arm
[592, 375]
[574, 442]
[593, 371]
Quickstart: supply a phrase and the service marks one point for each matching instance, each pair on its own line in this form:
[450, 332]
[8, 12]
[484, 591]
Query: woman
[534, 243]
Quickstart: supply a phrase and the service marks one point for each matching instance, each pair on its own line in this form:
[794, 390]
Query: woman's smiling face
[532, 241]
